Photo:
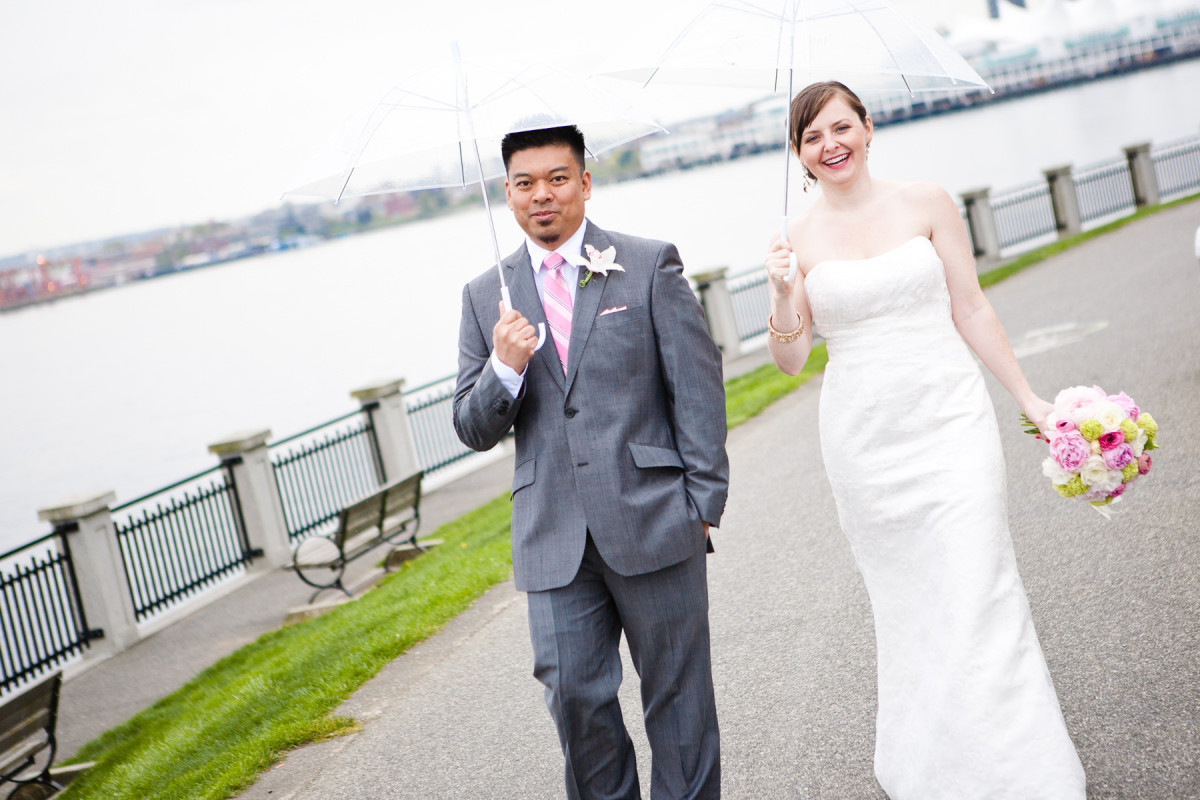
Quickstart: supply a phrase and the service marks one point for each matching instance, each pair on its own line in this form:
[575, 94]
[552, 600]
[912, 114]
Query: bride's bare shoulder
[924, 194]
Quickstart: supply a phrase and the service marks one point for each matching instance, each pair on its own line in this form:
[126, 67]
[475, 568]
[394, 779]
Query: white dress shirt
[572, 252]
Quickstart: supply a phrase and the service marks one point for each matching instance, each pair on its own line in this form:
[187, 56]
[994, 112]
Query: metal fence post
[1064, 199]
[245, 455]
[718, 308]
[1141, 172]
[99, 569]
[384, 402]
[982, 222]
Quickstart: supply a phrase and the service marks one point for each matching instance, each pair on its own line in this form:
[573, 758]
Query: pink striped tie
[558, 305]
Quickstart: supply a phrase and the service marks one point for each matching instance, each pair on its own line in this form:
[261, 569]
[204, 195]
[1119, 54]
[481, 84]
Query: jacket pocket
[622, 317]
[522, 476]
[647, 456]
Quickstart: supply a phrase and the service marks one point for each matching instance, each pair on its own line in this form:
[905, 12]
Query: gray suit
[617, 463]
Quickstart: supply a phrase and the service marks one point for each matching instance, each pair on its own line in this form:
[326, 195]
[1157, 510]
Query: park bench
[27, 723]
[383, 517]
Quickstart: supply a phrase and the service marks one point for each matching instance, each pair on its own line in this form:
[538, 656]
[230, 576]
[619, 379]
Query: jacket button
[570, 412]
[502, 409]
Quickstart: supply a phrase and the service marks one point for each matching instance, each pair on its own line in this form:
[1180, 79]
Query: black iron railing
[182, 539]
[431, 419]
[1104, 190]
[1177, 167]
[320, 471]
[42, 621]
[751, 302]
[1023, 214]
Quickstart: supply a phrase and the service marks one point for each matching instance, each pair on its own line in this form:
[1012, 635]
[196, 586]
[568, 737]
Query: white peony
[1057, 475]
[1096, 474]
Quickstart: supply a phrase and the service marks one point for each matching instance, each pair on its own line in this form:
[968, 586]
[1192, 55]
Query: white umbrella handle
[791, 276]
[508, 306]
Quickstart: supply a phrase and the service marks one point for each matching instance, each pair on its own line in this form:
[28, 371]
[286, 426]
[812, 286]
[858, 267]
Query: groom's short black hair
[569, 135]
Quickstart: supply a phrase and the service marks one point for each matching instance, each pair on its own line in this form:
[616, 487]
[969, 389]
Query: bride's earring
[809, 180]
[868, 151]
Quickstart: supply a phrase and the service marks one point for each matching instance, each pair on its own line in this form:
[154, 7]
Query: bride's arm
[973, 315]
[789, 311]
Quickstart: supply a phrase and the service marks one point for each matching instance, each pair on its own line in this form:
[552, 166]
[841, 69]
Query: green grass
[747, 395]
[211, 738]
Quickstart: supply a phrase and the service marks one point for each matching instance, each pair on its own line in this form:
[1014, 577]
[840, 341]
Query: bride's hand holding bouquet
[1099, 443]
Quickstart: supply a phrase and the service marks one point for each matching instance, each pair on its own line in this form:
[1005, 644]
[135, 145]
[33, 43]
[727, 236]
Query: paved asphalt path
[1115, 601]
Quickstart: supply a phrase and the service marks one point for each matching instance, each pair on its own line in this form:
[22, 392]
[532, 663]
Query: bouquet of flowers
[1099, 443]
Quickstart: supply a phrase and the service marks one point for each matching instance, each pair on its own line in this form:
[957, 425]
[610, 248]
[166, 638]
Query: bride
[909, 439]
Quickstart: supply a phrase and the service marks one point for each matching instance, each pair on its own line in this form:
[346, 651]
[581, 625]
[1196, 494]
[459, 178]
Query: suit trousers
[576, 630]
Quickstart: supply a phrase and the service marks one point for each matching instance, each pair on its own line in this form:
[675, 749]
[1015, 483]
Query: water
[124, 389]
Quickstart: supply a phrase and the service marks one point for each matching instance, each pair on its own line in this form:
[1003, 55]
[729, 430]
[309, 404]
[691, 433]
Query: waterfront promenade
[460, 716]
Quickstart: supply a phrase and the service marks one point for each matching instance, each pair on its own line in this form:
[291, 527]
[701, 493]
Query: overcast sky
[127, 115]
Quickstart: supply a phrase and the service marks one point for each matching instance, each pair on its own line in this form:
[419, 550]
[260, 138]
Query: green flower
[1091, 429]
[1103, 502]
[1073, 487]
[1147, 423]
[1130, 429]
[1130, 471]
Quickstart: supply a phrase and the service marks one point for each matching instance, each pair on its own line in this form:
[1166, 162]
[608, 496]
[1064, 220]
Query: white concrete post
[1064, 199]
[718, 307]
[982, 222]
[1142, 175]
[384, 402]
[96, 555]
[245, 454]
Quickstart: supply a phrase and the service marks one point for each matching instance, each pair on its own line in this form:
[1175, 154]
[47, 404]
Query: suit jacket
[630, 444]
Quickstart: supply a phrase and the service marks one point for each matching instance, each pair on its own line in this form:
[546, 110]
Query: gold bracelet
[784, 337]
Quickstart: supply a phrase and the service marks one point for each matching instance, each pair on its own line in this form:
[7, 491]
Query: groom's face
[546, 190]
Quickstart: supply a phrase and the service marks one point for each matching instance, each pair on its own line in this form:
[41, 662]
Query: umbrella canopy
[425, 132]
[870, 44]
[768, 44]
[429, 130]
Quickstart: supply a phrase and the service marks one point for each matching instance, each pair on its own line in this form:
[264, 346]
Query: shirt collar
[571, 250]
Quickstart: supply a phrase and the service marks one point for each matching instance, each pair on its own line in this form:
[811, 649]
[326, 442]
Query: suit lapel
[587, 303]
[525, 299]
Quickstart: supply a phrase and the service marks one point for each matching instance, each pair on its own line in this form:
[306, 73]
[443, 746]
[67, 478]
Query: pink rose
[1070, 450]
[1125, 402]
[1117, 457]
[1110, 440]
[1144, 463]
[1117, 492]
[1066, 426]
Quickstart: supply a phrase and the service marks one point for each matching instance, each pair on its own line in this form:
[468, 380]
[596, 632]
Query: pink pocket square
[612, 310]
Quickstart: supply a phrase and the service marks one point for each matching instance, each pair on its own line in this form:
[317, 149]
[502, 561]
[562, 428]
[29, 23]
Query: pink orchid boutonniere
[599, 262]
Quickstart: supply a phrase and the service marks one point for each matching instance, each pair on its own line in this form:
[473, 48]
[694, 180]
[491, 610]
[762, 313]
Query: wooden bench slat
[27, 726]
[21, 754]
[316, 551]
[16, 730]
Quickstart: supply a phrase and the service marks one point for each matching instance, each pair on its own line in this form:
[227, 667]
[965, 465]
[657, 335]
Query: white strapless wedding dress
[966, 707]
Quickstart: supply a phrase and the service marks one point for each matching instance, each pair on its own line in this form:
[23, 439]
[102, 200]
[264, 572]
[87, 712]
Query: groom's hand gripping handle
[514, 339]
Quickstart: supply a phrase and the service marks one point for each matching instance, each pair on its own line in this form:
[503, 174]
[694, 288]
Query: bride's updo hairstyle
[809, 102]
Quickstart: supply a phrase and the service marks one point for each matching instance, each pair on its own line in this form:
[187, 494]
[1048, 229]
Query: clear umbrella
[429, 130]
[768, 44]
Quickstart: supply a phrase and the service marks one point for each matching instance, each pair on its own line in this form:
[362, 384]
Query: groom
[620, 470]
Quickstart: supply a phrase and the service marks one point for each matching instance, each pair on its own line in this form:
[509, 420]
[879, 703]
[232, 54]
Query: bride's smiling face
[833, 147]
